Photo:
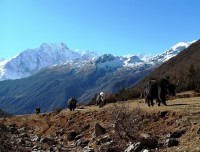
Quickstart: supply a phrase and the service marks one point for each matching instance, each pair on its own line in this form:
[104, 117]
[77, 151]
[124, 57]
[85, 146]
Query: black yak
[72, 104]
[37, 110]
[158, 89]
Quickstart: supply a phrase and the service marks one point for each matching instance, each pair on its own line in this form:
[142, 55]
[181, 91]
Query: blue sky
[119, 27]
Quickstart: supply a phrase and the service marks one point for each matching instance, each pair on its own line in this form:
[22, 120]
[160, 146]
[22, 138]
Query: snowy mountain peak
[46, 55]
[31, 61]
[86, 54]
[132, 61]
[133, 58]
[105, 58]
[180, 44]
[108, 60]
[53, 46]
[173, 51]
[144, 57]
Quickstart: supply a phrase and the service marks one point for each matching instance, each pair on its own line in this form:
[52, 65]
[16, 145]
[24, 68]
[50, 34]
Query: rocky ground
[129, 126]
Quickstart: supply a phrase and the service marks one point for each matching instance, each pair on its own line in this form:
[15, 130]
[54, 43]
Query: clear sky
[119, 27]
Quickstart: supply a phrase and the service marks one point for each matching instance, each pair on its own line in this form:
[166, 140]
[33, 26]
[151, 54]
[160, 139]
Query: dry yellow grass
[182, 113]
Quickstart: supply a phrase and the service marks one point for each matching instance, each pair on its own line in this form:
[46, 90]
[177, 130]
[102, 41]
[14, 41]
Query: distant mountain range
[53, 73]
[31, 61]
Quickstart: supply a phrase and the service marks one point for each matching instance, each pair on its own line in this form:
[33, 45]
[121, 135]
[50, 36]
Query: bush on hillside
[126, 122]
[110, 98]
[57, 110]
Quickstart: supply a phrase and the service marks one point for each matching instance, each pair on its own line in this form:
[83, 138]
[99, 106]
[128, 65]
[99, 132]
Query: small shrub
[57, 110]
[110, 98]
[126, 122]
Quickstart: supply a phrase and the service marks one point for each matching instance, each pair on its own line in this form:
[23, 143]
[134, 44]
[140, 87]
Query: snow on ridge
[182, 44]
[53, 46]
[86, 54]
[132, 61]
[108, 60]
[173, 51]
[141, 56]
[30, 61]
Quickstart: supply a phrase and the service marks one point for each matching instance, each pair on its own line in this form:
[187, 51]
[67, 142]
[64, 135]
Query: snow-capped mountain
[116, 61]
[144, 57]
[141, 60]
[173, 51]
[77, 77]
[31, 61]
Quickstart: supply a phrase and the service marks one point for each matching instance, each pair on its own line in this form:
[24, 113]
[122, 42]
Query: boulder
[103, 140]
[134, 147]
[35, 138]
[144, 143]
[163, 113]
[150, 143]
[99, 130]
[82, 143]
[88, 149]
[71, 135]
[13, 130]
[171, 142]
[176, 134]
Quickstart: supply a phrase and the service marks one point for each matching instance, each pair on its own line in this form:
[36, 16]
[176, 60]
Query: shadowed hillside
[183, 68]
[52, 87]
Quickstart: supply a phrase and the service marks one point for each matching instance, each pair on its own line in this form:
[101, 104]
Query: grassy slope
[183, 113]
[177, 68]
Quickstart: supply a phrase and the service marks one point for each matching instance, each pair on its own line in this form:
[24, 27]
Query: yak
[72, 104]
[100, 100]
[37, 110]
[158, 89]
